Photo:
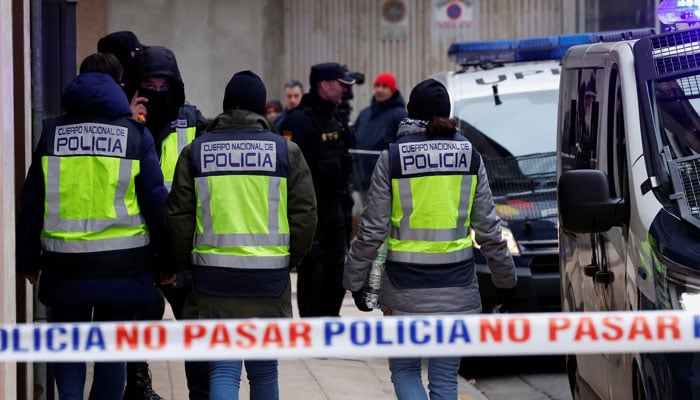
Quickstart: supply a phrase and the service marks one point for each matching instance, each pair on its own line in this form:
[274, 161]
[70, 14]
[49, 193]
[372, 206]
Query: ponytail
[442, 127]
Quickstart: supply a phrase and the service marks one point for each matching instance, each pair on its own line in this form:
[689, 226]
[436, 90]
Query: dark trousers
[320, 289]
[108, 377]
[196, 372]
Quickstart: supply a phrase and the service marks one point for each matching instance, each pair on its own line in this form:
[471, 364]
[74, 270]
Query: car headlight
[684, 289]
[683, 286]
[507, 235]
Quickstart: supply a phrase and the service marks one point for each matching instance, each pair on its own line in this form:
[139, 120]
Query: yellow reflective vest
[433, 181]
[241, 219]
[90, 193]
[183, 132]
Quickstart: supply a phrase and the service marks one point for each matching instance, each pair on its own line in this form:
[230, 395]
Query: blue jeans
[442, 378]
[225, 379]
[109, 377]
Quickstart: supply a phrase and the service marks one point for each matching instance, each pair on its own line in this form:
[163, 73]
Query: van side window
[568, 127]
[617, 153]
[571, 131]
[588, 118]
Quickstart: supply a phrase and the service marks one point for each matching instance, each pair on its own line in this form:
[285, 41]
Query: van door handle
[590, 270]
[604, 277]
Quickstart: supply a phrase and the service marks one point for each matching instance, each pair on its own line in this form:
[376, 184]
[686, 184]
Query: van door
[610, 281]
[598, 141]
[584, 252]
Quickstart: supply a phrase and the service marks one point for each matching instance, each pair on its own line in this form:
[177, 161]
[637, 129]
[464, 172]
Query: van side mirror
[584, 202]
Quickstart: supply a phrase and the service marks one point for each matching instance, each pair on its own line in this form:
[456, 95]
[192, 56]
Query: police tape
[391, 336]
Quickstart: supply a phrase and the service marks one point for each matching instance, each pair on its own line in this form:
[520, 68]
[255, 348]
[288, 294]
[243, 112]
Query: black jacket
[324, 140]
[118, 275]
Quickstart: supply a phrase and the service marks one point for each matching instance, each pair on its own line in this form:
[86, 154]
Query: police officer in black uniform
[324, 140]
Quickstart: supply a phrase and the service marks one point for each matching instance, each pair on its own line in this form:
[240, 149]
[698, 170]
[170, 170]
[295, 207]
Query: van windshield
[677, 107]
[521, 124]
[517, 140]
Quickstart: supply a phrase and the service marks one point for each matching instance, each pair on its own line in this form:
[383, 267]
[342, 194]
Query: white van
[628, 161]
[504, 97]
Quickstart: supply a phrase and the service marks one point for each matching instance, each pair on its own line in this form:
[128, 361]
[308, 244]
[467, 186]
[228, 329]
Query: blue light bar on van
[534, 49]
[679, 11]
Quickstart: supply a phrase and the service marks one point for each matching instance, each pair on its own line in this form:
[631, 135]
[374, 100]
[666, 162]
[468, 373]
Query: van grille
[677, 51]
[685, 174]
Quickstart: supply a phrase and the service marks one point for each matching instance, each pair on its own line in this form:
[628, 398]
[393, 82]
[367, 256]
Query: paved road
[521, 378]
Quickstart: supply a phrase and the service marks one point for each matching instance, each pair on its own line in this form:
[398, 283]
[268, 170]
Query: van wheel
[571, 372]
[638, 386]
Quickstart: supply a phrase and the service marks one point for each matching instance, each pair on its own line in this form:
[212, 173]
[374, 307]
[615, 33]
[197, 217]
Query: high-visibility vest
[90, 193]
[241, 188]
[182, 133]
[433, 181]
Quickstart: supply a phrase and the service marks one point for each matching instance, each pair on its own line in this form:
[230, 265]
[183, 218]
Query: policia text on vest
[90, 138]
[248, 155]
[435, 156]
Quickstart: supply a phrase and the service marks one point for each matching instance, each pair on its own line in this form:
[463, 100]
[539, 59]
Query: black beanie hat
[427, 100]
[245, 91]
[120, 44]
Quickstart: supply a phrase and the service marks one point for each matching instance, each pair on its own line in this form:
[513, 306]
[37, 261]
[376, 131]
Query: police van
[504, 98]
[628, 162]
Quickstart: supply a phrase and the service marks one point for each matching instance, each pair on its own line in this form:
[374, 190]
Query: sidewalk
[311, 378]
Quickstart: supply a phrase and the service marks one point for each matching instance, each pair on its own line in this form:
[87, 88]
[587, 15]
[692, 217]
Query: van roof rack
[535, 48]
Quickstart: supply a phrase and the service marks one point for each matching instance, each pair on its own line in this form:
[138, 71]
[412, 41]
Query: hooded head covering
[95, 94]
[427, 100]
[158, 61]
[245, 91]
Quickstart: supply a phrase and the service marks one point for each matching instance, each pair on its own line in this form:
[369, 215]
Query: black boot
[138, 383]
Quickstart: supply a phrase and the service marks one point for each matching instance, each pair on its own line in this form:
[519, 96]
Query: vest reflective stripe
[429, 245]
[434, 235]
[171, 147]
[269, 250]
[427, 258]
[62, 246]
[208, 237]
[242, 262]
[121, 225]
[52, 220]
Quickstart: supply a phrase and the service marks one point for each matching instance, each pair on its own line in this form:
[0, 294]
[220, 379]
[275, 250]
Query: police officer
[251, 193]
[123, 45]
[324, 141]
[91, 208]
[427, 190]
[158, 94]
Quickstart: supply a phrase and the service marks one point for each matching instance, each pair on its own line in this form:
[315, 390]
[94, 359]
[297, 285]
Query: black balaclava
[158, 61]
[160, 107]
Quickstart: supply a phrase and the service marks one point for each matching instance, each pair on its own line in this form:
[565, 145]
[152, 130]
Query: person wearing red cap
[272, 110]
[375, 128]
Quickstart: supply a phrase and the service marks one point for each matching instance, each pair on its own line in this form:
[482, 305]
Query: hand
[506, 300]
[138, 107]
[360, 302]
[167, 278]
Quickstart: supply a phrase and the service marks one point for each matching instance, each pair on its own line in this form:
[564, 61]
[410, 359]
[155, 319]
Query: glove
[360, 302]
[506, 300]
